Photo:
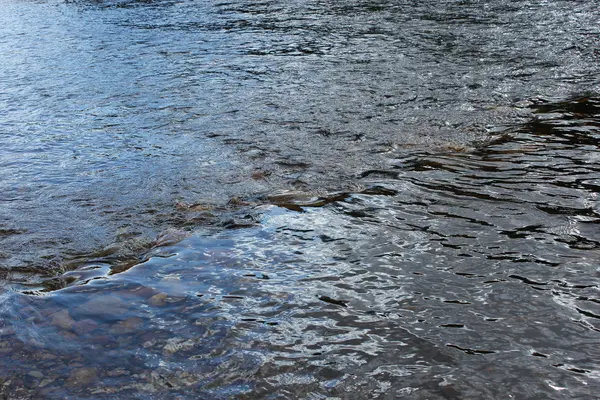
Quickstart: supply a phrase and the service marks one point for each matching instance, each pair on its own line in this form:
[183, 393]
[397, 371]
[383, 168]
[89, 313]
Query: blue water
[320, 199]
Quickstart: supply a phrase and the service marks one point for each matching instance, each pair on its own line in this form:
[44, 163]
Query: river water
[299, 199]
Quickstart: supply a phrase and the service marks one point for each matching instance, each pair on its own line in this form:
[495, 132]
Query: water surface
[376, 199]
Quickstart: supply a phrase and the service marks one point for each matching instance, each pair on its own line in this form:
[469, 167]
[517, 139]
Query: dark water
[318, 199]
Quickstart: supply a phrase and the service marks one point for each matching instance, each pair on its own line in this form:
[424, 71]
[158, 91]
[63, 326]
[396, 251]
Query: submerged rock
[84, 326]
[82, 376]
[128, 326]
[63, 320]
[118, 372]
[169, 237]
[158, 300]
[295, 200]
[198, 207]
[103, 305]
[46, 382]
[260, 174]
[36, 374]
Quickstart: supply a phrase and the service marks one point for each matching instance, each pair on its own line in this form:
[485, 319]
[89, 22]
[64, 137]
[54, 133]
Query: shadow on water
[455, 274]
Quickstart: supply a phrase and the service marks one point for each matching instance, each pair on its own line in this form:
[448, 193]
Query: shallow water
[352, 200]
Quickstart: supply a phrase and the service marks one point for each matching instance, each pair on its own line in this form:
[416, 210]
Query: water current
[299, 199]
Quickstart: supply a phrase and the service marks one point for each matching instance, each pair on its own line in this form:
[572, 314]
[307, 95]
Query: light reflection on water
[356, 200]
[117, 111]
[326, 302]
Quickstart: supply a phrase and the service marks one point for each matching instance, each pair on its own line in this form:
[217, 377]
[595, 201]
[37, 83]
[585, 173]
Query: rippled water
[320, 199]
